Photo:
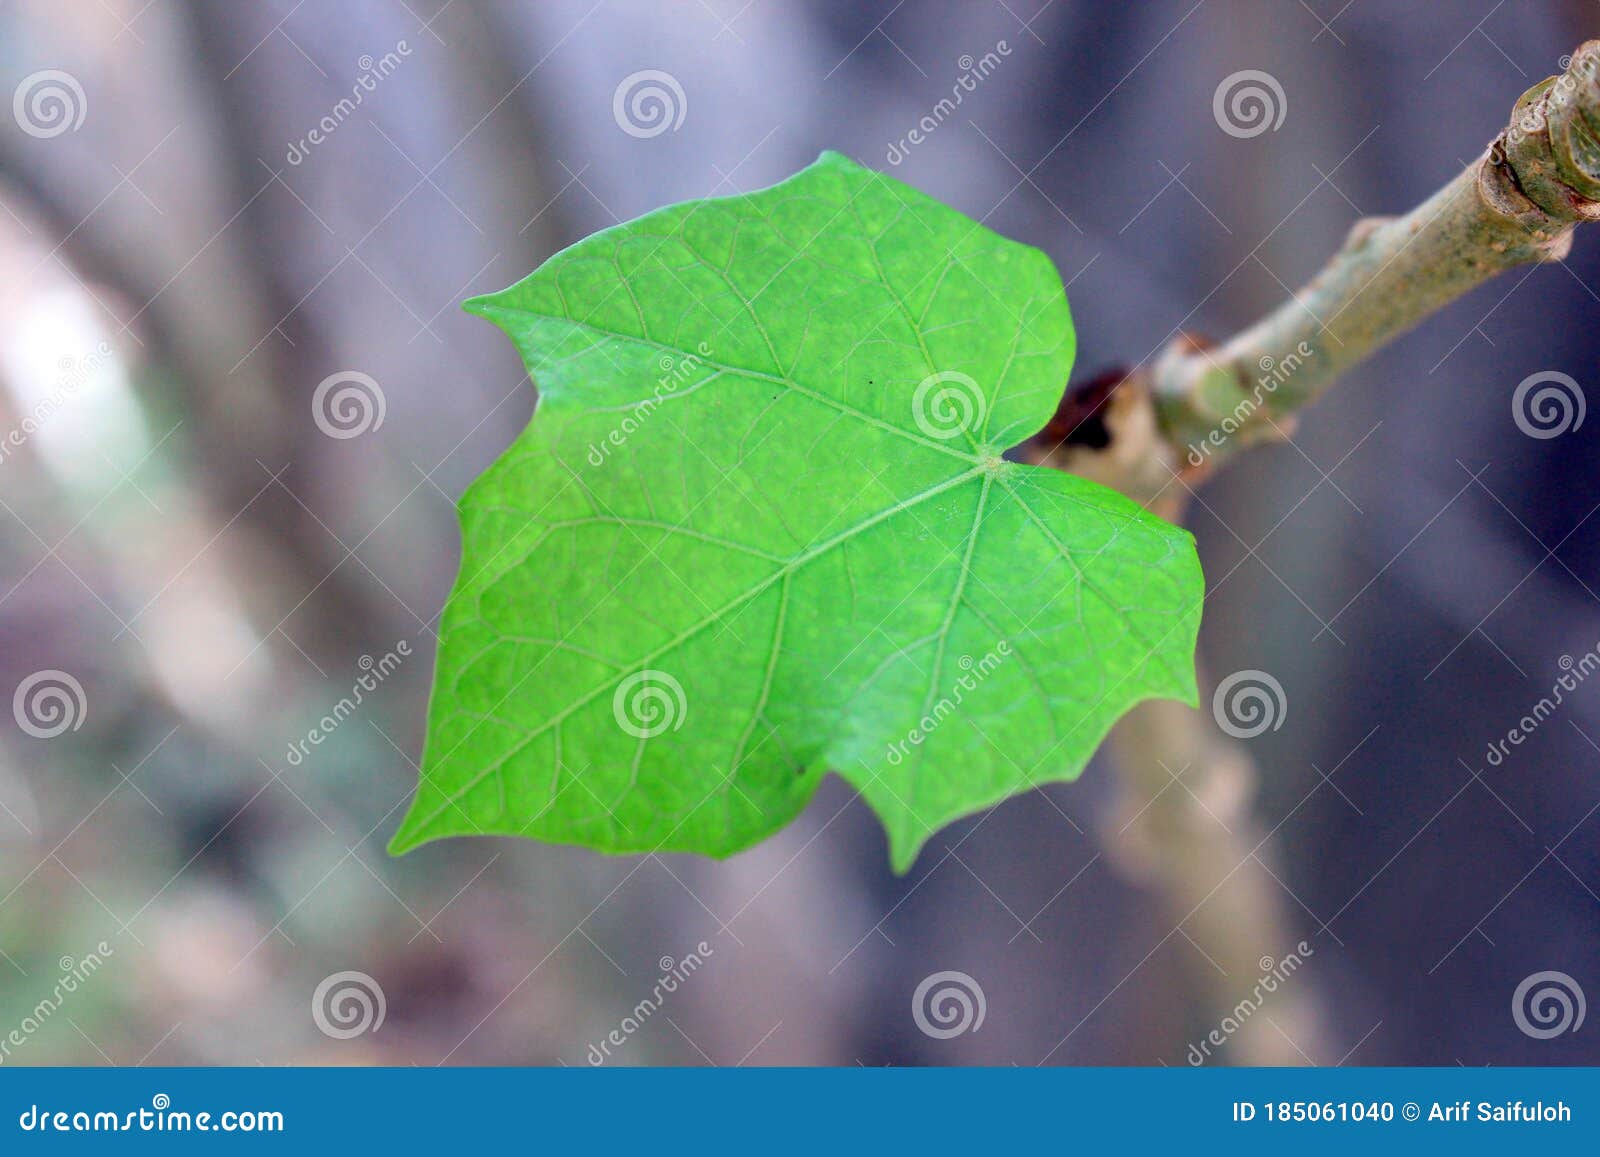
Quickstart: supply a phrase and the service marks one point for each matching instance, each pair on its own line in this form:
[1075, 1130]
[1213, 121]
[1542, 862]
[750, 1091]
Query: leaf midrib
[742, 371]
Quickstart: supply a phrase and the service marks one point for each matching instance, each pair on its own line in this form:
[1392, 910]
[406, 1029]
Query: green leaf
[760, 529]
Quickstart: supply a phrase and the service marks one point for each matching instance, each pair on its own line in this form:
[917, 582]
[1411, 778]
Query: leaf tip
[903, 852]
[480, 306]
[408, 837]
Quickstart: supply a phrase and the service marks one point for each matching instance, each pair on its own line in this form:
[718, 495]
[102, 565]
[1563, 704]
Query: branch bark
[1154, 432]
[1198, 405]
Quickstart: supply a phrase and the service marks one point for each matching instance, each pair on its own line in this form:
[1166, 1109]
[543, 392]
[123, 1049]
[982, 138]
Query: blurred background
[210, 210]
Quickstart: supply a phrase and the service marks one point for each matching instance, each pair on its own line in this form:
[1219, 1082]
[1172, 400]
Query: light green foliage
[760, 530]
